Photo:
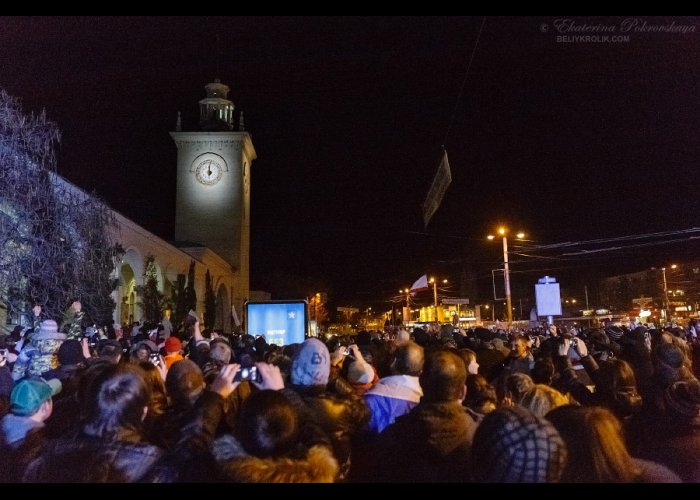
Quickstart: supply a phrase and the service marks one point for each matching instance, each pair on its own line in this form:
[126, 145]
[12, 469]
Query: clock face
[208, 171]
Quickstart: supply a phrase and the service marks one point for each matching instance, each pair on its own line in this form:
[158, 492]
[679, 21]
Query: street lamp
[506, 274]
[434, 282]
[666, 304]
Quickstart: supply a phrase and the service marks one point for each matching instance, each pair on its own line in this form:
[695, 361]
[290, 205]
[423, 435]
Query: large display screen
[281, 323]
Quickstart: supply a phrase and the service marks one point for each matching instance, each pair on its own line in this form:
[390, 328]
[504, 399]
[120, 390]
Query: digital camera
[154, 358]
[249, 373]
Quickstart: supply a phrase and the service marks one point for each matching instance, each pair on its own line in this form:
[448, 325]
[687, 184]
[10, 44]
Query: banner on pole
[441, 181]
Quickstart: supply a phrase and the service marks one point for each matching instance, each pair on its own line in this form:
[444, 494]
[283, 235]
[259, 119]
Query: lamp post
[434, 282]
[666, 304]
[506, 272]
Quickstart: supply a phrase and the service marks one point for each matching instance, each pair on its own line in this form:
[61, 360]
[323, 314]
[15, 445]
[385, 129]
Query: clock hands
[209, 171]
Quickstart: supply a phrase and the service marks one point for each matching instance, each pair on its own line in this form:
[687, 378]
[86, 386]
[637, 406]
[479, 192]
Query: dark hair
[543, 371]
[115, 402]
[268, 424]
[444, 376]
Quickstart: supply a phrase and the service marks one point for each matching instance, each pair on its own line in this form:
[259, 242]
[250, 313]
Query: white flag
[420, 284]
[234, 316]
[441, 181]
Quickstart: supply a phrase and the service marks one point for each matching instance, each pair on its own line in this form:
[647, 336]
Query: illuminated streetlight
[506, 273]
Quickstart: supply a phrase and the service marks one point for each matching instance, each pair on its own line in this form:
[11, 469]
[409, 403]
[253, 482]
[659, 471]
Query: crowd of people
[157, 403]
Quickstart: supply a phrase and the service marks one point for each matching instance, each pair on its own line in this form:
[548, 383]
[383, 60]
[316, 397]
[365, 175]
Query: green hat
[28, 395]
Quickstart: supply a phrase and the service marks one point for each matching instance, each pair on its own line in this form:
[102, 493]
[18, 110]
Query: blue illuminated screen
[281, 323]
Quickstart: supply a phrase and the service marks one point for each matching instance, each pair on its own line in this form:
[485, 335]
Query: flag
[234, 316]
[441, 181]
[420, 284]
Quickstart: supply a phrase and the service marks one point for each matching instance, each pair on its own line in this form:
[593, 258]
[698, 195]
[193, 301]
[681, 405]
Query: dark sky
[567, 140]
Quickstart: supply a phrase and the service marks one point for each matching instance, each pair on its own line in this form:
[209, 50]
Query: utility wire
[464, 83]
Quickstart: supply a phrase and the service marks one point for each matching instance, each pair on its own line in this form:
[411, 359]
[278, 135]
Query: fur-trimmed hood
[236, 465]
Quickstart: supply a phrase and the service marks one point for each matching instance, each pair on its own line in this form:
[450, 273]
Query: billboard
[548, 298]
[280, 322]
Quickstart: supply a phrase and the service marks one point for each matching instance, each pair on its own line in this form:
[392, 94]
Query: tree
[56, 240]
[152, 299]
[190, 294]
[209, 302]
[179, 299]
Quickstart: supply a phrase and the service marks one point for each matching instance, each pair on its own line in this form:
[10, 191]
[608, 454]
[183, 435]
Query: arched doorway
[130, 276]
[223, 307]
[127, 294]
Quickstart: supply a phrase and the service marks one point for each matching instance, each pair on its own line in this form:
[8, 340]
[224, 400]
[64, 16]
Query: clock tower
[213, 186]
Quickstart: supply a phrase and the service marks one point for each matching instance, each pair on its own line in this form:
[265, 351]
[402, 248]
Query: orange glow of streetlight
[501, 231]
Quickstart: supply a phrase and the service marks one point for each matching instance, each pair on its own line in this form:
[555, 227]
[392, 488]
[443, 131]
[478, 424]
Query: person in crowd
[157, 401]
[481, 397]
[615, 385]
[399, 393]
[671, 435]
[22, 435]
[110, 447]
[436, 434]
[40, 355]
[541, 399]
[597, 451]
[267, 446]
[360, 374]
[517, 385]
[110, 349]
[173, 351]
[513, 445]
[339, 418]
[469, 358]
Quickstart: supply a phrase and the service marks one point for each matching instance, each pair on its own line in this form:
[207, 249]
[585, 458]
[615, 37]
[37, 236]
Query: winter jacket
[82, 459]
[315, 465]
[432, 443]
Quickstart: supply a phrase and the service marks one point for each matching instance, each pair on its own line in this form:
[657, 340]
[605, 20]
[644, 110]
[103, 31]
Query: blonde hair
[542, 398]
[597, 450]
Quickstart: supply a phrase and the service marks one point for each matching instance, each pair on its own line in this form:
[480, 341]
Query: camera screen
[248, 373]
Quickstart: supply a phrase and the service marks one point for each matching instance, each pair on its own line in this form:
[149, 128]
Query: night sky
[568, 141]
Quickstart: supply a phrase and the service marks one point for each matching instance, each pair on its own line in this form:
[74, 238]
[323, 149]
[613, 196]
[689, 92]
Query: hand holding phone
[249, 373]
[154, 358]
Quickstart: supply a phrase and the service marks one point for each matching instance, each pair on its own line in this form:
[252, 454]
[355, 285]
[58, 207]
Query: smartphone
[154, 358]
[3, 352]
[346, 351]
[249, 373]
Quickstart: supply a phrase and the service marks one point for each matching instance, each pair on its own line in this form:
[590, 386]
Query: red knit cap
[173, 344]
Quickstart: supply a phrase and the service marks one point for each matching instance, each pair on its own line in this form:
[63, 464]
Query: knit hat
[683, 399]
[614, 332]
[311, 364]
[30, 393]
[360, 372]
[146, 344]
[173, 345]
[513, 445]
[670, 354]
[184, 380]
[70, 353]
[49, 330]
